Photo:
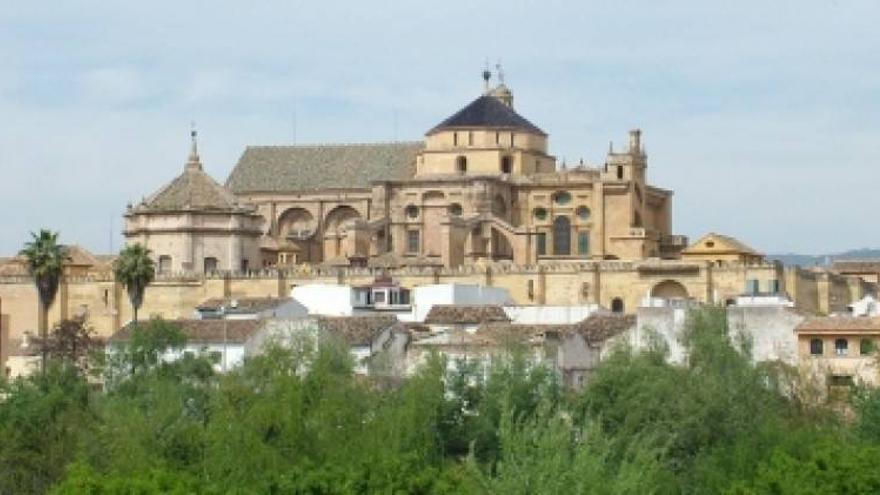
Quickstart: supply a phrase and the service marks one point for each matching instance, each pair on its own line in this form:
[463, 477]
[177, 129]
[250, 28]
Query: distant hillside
[806, 260]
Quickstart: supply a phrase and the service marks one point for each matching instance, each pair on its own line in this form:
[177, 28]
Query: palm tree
[135, 270]
[45, 261]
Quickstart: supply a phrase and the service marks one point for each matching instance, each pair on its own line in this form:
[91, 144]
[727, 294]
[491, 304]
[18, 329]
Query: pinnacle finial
[499, 71]
[193, 161]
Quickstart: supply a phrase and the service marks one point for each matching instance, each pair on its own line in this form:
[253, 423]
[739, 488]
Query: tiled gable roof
[464, 314]
[724, 243]
[204, 331]
[840, 324]
[355, 330]
[316, 167]
[242, 304]
[488, 111]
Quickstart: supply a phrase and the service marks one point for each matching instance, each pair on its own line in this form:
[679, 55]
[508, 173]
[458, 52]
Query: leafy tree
[45, 260]
[71, 344]
[135, 270]
[43, 419]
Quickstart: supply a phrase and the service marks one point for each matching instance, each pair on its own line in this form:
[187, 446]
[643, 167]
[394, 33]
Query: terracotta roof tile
[464, 314]
[317, 167]
[204, 331]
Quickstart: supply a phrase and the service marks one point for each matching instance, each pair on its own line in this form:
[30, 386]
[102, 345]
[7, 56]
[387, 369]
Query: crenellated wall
[555, 283]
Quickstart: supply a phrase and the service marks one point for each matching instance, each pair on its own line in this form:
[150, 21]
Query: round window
[455, 210]
[562, 197]
[540, 213]
[412, 211]
[583, 213]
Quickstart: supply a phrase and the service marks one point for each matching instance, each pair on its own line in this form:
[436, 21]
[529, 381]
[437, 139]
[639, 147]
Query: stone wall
[559, 283]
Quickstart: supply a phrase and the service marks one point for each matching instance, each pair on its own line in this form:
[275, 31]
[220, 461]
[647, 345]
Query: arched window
[210, 264]
[561, 236]
[619, 172]
[617, 305]
[841, 347]
[164, 264]
[506, 164]
[412, 211]
[461, 164]
[817, 348]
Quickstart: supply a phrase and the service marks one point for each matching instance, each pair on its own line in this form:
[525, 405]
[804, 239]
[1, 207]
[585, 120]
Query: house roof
[242, 304]
[718, 243]
[204, 331]
[856, 266]
[355, 330]
[839, 324]
[487, 111]
[597, 327]
[316, 167]
[463, 314]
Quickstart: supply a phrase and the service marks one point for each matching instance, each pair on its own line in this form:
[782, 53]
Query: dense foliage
[717, 425]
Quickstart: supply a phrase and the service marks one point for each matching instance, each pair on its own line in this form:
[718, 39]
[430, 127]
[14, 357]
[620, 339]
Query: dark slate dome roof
[488, 111]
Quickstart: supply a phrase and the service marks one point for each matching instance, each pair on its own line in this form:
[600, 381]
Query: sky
[763, 117]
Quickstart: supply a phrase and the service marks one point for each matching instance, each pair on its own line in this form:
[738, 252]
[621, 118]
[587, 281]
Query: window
[412, 211]
[541, 244]
[841, 380]
[245, 265]
[841, 347]
[461, 164]
[583, 213]
[497, 138]
[619, 172]
[710, 244]
[752, 287]
[210, 264]
[530, 288]
[817, 348]
[106, 297]
[164, 264]
[866, 347]
[455, 210]
[412, 241]
[617, 305]
[506, 164]
[470, 138]
[583, 243]
[379, 296]
[511, 140]
[455, 139]
[561, 236]
[773, 286]
[540, 214]
[562, 198]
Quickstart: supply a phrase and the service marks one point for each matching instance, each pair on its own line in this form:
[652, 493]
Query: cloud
[762, 116]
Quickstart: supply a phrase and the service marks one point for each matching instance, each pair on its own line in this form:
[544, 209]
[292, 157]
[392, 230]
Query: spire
[193, 163]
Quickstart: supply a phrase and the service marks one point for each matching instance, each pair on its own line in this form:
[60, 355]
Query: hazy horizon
[763, 119]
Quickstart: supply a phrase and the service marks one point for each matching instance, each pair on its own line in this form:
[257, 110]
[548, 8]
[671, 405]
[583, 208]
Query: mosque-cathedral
[480, 201]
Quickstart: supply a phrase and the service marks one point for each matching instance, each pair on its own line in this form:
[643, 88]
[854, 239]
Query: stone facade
[481, 187]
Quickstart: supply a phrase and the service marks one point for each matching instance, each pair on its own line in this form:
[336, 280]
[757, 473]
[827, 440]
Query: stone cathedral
[481, 187]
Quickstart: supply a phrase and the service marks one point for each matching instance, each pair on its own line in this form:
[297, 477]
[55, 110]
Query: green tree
[134, 269]
[45, 262]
